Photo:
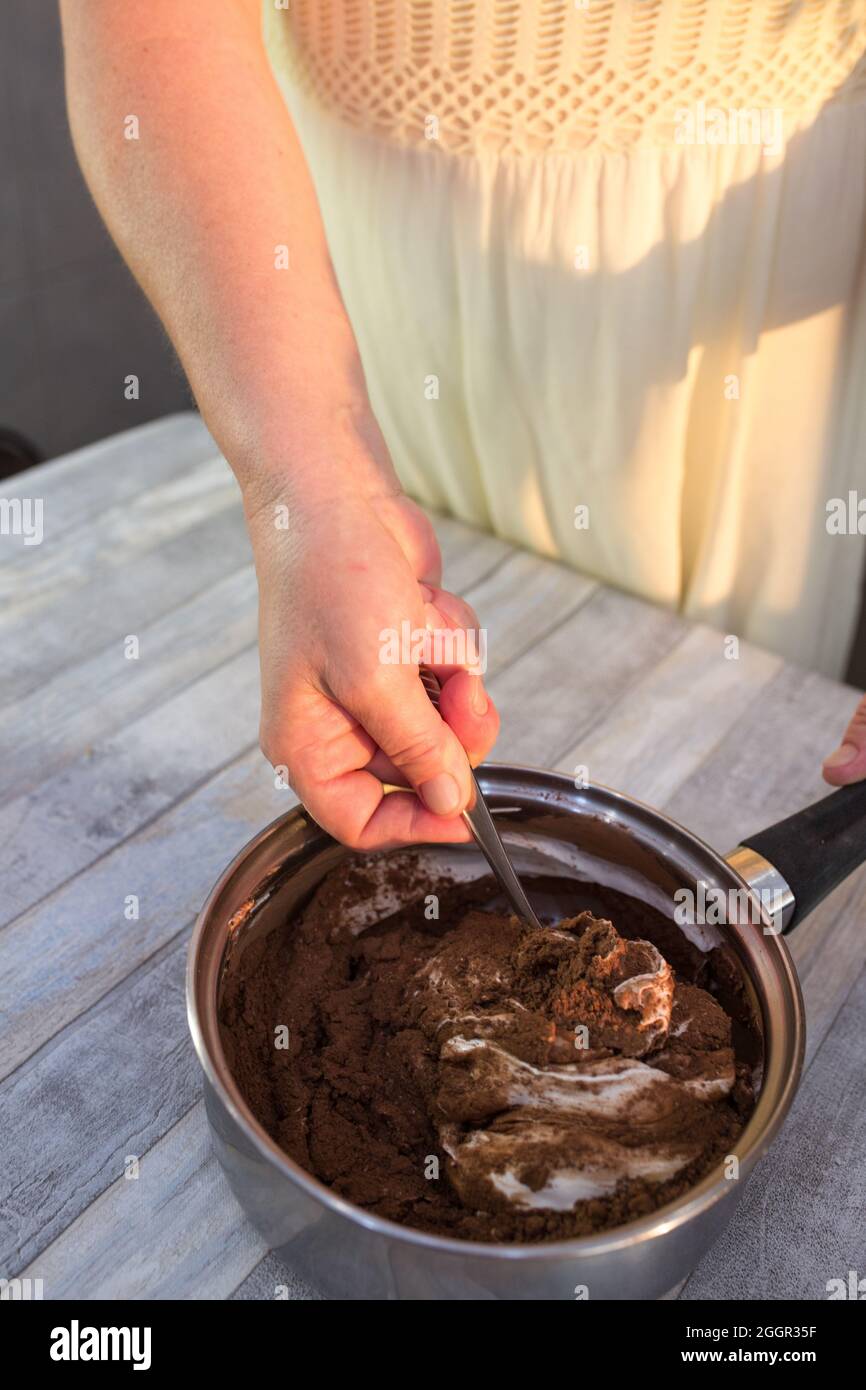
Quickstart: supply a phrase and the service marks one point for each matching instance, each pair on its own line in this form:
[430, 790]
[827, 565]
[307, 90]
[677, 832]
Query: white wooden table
[123, 778]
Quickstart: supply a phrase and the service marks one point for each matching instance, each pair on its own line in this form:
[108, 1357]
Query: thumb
[396, 711]
[848, 763]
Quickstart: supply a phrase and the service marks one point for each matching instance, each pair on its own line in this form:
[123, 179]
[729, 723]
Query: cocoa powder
[420, 1052]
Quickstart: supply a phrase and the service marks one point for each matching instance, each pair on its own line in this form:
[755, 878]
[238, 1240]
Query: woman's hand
[848, 763]
[216, 186]
[336, 712]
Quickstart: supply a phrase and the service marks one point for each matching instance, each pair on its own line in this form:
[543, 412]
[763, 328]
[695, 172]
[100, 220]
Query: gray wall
[73, 322]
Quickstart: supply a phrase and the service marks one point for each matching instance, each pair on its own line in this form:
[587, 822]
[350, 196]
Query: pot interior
[579, 848]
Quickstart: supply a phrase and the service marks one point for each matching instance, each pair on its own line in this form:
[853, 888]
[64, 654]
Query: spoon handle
[482, 825]
[487, 837]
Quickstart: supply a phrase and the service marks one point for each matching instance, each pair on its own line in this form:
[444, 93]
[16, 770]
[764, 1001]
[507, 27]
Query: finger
[452, 608]
[356, 810]
[848, 763]
[385, 770]
[457, 640]
[325, 770]
[393, 707]
[467, 708]
[390, 775]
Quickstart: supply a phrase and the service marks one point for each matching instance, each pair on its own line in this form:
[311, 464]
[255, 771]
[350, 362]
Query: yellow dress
[605, 264]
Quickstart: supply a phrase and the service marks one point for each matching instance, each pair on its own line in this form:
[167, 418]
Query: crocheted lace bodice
[532, 76]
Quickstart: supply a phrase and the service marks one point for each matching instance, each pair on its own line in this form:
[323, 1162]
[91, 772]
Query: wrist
[315, 456]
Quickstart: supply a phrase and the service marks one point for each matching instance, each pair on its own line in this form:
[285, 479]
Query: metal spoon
[480, 822]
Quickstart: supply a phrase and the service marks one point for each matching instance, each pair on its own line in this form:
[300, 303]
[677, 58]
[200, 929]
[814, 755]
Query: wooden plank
[770, 763]
[467, 555]
[800, 1222]
[123, 534]
[665, 725]
[65, 824]
[106, 1089]
[78, 487]
[102, 694]
[829, 950]
[123, 1088]
[65, 954]
[205, 1246]
[524, 598]
[84, 621]
[767, 767]
[590, 659]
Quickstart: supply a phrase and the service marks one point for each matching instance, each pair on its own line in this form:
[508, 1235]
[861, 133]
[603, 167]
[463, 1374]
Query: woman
[593, 278]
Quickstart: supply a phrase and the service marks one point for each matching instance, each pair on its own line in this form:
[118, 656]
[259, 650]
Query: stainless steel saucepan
[550, 826]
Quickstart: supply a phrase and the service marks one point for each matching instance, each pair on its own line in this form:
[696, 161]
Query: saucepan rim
[761, 1128]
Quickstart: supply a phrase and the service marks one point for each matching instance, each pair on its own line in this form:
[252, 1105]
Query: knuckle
[374, 680]
[415, 751]
[367, 686]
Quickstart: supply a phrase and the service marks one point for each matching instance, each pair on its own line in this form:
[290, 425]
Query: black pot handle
[818, 847]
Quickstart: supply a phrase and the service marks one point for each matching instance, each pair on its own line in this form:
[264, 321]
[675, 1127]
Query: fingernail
[441, 794]
[432, 618]
[479, 700]
[843, 756]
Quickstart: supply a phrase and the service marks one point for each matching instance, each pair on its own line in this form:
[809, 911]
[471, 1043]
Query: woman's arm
[198, 204]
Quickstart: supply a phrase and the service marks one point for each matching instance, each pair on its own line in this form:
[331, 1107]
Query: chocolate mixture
[477, 1079]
